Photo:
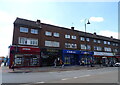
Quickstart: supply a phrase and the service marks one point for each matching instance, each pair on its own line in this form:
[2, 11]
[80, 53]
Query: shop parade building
[37, 44]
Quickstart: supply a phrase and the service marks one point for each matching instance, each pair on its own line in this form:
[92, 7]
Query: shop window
[67, 60]
[34, 31]
[23, 29]
[18, 60]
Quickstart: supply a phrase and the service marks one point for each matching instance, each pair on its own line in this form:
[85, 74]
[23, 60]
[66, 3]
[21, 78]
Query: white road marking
[84, 75]
[41, 82]
[75, 77]
[65, 79]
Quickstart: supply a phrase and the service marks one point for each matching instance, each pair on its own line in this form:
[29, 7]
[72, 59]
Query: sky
[103, 16]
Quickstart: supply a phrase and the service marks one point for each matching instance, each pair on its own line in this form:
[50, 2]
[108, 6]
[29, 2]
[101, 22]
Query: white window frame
[24, 29]
[70, 45]
[48, 33]
[28, 41]
[52, 44]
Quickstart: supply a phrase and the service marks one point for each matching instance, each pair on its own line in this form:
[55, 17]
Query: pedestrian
[55, 62]
[12, 66]
[61, 63]
[91, 63]
[79, 62]
[83, 62]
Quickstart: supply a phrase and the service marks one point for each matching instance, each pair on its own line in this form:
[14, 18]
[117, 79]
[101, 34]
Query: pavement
[48, 69]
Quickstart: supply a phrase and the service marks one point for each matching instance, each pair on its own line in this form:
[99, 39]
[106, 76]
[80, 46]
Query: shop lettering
[71, 52]
[26, 49]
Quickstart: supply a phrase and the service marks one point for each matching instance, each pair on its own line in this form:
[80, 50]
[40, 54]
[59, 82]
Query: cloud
[108, 33]
[96, 19]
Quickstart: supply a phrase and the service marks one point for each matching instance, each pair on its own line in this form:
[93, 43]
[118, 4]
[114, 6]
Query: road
[102, 75]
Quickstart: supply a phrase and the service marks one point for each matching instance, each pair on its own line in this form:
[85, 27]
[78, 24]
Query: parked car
[117, 64]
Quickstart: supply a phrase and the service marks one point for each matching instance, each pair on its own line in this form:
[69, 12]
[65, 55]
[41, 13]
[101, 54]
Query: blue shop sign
[71, 51]
[86, 52]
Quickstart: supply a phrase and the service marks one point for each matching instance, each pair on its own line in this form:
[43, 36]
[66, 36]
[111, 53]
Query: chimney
[111, 37]
[38, 22]
[94, 33]
[72, 28]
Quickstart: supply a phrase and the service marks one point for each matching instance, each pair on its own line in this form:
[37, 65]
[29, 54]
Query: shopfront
[105, 58]
[71, 57]
[117, 58]
[48, 55]
[87, 56]
[22, 56]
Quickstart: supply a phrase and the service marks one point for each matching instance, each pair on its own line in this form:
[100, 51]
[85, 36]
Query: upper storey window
[105, 42]
[82, 38]
[67, 36]
[34, 31]
[48, 33]
[73, 37]
[23, 29]
[56, 34]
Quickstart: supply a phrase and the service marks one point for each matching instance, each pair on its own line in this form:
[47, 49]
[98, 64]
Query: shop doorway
[26, 61]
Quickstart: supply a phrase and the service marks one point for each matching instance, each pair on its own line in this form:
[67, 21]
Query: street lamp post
[85, 32]
[86, 39]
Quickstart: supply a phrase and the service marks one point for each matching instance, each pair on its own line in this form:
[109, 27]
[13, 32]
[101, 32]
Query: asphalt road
[103, 75]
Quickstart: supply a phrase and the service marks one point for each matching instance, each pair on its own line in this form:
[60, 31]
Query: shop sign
[71, 51]
[103, 54]
[85, 52]
[52, 50]
[26, 49]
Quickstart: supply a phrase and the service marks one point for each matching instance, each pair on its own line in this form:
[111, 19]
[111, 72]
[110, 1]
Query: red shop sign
[28, 49]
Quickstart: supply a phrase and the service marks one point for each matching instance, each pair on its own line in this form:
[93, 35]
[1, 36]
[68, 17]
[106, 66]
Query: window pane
[34, 31]
[48, 33]
[56, 34]
[67, 36]
[23, 29]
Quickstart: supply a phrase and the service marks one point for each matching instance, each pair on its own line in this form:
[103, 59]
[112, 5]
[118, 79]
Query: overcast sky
[103, 16]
